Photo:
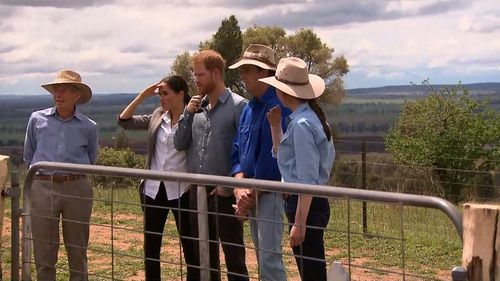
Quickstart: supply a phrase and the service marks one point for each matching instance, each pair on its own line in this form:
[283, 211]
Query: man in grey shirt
[207, 128]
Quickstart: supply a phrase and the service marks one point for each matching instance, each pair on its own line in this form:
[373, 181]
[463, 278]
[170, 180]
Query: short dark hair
[178, 84]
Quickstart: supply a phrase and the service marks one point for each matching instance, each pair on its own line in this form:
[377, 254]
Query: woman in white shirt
[158, 197]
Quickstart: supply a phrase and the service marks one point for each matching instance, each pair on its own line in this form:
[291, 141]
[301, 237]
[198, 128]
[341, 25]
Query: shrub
[118, 158]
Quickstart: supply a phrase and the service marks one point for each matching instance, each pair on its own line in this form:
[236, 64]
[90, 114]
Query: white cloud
[121, 46]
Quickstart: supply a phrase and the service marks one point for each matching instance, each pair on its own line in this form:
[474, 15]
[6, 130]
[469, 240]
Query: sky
[121, 46]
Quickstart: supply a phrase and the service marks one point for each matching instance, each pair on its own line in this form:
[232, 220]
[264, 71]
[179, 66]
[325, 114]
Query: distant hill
[409, 90]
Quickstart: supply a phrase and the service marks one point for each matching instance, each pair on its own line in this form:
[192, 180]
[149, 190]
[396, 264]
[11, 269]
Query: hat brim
[252, 62]
[85, 91]
[311, 90]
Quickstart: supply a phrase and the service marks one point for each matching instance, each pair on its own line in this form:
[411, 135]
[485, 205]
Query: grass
[427, 245]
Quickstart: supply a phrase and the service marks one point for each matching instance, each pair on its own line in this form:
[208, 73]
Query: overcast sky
[124, 45]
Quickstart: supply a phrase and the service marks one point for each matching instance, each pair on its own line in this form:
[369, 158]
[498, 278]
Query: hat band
[291, 82]
[261, 59]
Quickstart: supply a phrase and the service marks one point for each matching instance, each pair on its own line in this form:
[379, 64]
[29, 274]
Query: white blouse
[167, 158]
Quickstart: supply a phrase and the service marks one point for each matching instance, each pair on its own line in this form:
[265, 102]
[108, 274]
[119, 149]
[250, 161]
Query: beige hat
[293, 79]
[66, 76]
[259, 55]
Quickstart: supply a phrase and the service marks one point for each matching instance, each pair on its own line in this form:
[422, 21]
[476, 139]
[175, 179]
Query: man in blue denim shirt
[61, 134]
[252, 159]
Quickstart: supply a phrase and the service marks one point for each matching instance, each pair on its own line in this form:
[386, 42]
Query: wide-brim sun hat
[70, 77]
[258, 55]
[293, 79]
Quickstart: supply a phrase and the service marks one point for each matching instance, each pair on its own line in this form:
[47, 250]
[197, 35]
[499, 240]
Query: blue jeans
[313, 246]
[266, 226]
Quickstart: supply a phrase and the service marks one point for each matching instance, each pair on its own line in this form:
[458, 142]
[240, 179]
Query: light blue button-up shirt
[305, 155]
[49, 138]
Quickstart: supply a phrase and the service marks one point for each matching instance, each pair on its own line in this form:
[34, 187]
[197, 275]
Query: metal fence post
[201, 194]
[16, 212]
[459, 273]
[363, 186]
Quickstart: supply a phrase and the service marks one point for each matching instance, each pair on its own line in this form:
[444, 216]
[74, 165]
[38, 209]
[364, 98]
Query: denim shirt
[208, 135]
[253, 142]
[305, 155]
[49, 138]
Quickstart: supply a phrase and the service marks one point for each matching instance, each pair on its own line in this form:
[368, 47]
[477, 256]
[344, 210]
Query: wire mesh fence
[407, 237]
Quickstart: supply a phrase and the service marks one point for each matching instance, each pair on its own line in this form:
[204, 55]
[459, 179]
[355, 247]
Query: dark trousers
[312, 247]
[224, 226]
[155, 216]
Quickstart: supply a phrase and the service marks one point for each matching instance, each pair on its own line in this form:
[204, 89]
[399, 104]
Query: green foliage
[307, 45]
[121, 140]
[117, 158]
[271, 36]
[457, 137]
[181, 67]
[304, 43]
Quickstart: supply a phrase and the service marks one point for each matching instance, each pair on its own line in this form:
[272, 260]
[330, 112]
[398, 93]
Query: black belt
[59, 178]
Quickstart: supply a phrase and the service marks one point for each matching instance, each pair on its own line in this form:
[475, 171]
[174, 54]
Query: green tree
[272, 36]
[307, 45]
[181, 67]
[452, 134]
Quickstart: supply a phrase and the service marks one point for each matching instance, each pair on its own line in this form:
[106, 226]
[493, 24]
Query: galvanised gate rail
[203, 180]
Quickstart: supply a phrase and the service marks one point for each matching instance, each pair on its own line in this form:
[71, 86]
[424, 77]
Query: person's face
[65, 96]
[250, 75]
[283, 98]
[168, 97]
[205, 80]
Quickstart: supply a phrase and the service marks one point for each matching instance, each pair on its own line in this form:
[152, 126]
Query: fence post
[16, 212]
[481, 242]
[363, 185]
[201, 194]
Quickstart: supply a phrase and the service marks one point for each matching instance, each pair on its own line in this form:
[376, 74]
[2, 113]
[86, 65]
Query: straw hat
[70, 77]
[293, 79]
[259, 55]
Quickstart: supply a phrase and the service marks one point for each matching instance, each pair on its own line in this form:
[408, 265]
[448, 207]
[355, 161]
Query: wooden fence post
[481, 251]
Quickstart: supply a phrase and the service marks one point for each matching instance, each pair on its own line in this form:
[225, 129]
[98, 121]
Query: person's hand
[274, 116]
[150, 91]
[245, 198]
[241, 214]
[221, 191]
[194, 103]
[297, 234]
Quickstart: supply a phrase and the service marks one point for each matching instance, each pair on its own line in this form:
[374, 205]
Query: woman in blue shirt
[305, 155]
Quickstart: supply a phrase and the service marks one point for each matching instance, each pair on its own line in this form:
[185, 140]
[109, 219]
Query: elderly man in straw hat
[305, 155]
[252, 159]
[61, 134]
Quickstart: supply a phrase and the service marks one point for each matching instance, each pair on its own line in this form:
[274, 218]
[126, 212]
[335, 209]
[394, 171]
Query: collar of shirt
[223, 98]
[297, 111]
[166, 117]
[77, 114]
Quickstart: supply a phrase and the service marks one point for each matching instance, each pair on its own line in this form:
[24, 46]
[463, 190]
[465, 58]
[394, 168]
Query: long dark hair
[321, 115]
[178, 84]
